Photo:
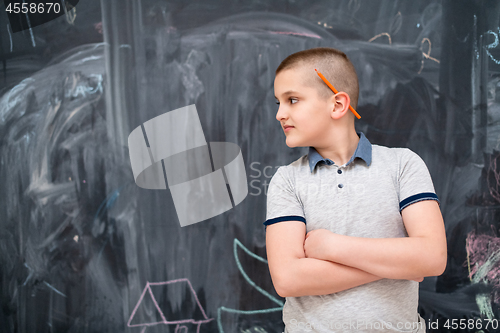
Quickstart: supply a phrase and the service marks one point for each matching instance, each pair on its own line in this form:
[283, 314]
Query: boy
[351, 227]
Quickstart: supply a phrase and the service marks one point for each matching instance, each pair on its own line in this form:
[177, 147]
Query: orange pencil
[335, 91]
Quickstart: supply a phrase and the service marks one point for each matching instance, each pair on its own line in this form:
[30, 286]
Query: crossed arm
[321, 262]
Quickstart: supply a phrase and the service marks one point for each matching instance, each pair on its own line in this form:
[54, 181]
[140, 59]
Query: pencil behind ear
[336, 92]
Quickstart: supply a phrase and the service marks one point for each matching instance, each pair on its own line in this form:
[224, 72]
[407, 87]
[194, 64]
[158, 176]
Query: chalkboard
[83, 248]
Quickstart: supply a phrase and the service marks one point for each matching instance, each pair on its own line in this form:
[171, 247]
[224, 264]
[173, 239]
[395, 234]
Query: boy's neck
[341, 147]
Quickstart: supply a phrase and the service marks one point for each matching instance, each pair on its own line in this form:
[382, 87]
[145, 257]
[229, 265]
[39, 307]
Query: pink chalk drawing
[98, 27]
[483, 259]
[181, 327]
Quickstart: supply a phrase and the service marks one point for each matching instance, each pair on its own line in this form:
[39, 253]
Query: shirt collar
[363, 151]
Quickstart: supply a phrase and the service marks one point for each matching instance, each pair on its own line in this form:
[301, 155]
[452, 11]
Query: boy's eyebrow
[289, 92]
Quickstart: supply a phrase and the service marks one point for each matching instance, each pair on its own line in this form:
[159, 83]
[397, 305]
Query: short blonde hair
[333, 64]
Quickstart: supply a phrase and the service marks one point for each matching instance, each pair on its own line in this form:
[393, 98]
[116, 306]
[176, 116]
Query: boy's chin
[292, 144]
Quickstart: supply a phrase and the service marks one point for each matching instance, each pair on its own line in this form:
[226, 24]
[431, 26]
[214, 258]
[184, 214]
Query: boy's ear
[341, 105]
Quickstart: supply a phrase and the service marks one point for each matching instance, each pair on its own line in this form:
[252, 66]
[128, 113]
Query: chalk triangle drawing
[146, 312]
[155, 291]
[188, 307]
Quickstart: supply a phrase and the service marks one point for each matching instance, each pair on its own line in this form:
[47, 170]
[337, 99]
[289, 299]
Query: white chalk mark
[10, 37]
[325, 25]
[31, 30]
[57, 291]
[353, 6]
[70, 15]
[296, 34]
[396, 24]
[475, 38]
[29, 275]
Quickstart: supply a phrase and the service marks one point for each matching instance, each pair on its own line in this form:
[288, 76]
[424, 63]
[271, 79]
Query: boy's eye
[292, 101]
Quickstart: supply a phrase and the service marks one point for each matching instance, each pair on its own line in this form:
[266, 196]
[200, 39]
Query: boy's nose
[281, 114]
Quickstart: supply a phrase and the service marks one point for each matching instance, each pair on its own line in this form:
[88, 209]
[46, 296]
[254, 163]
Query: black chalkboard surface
[84, 249]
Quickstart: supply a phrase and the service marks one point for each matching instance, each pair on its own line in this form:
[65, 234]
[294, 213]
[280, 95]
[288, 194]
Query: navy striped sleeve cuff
[416, 198]
[285, 218]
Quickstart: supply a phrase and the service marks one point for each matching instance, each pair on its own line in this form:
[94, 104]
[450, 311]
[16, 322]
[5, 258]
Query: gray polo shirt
[362, 198]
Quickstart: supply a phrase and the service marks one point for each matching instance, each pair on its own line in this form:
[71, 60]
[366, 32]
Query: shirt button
[341, 185]
[339, 171]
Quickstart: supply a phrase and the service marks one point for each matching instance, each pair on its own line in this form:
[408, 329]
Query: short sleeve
[415, 182]
[282, 202]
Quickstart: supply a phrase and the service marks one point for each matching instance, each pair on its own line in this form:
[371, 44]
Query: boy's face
[300, 106]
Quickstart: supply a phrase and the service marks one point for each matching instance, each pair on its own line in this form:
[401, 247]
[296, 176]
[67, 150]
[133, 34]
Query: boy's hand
[318, 244]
